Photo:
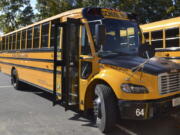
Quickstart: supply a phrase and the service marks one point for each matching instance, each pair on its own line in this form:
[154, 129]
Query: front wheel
[105, 108]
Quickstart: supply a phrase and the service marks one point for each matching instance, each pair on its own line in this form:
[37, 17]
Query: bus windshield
[121, 36]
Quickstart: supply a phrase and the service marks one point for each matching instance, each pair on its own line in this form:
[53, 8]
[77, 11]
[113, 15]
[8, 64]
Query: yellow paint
[164, 24]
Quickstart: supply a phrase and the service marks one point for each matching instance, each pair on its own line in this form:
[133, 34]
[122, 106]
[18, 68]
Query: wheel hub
[97, 109]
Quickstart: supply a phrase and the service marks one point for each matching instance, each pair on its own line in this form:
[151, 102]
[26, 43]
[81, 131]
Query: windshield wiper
[107, 54]
[139, 67]
[128, 52]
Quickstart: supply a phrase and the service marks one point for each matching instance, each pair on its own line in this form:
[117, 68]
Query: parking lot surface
[30, 112]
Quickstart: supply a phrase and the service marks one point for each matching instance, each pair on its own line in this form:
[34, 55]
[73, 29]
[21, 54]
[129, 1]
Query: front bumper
[140, 110]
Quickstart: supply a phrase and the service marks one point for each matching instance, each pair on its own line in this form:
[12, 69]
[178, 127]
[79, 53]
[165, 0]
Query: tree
[150, 10]
[47, 8]
[175, 9]
[26, 16]
[96, 3]
[147, 10]
[14, 14]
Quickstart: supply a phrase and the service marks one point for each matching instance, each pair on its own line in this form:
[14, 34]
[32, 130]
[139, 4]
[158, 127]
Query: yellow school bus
[92, 59]
[165, 36]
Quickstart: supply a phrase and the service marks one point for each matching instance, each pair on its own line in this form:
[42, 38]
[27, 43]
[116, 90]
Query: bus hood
[153, 66]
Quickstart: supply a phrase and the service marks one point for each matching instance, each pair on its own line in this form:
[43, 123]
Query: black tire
[17, 84]
[105, 108]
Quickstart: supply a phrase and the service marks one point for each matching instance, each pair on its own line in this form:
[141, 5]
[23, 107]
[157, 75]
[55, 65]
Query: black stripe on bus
[29, 59]
[31, 50]
[29, 67]
[40, 87]
[170, 58]
[168, 50]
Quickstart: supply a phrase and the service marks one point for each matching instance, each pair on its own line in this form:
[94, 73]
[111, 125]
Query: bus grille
[169, 82]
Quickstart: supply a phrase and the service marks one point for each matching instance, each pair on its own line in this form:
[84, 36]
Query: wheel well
[89, 96]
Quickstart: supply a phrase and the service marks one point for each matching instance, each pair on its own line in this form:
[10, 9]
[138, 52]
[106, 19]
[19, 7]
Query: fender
[108, 76]
[111, 77]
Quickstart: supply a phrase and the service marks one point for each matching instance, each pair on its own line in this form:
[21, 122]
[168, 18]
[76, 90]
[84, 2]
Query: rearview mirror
[100, 33]
[146, 51]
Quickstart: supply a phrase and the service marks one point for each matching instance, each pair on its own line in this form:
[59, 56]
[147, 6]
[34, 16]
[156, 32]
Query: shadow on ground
[166, 124]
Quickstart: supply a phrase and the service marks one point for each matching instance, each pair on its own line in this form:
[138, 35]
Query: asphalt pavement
[30, 112]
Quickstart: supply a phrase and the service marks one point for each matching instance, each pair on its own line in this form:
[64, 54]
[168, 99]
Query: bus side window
[157, 39]
[18, 40]
[36, 36]
[52, 35]
[45, 34]
[6, 42]
[3, 43]
[85, 50]
[29, 38]
[0, 45]
[172, 37]
[23, 39]
[58, 36]
[14, 41]
[10, 42]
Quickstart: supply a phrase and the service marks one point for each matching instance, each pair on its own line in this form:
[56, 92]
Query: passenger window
[172, 37]
[29, 38]
[86, 50]
[45, 33]
[3, 43]
[36, 36]
[157, 39]
[23, 39]
[0, 44]
[14, 42]
[10, 42]
[52, 35]
[18, 40]
[6, 42]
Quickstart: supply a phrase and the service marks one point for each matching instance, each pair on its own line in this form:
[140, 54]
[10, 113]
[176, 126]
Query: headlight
[131, 88]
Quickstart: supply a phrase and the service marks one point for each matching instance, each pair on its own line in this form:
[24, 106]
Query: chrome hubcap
[97, 110]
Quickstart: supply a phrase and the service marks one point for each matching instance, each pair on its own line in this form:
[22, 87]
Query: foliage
[147, 10]
[47, 8]
[15, 14]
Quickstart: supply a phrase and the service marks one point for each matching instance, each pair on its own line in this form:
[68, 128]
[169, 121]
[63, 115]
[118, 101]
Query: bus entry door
[70, 71]
[56, 41]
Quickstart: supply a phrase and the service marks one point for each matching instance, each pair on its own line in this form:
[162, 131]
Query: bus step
[72, 103]
[73, 95]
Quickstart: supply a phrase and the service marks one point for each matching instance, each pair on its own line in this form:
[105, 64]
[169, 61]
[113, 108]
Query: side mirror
[100, 33]
[146, 51]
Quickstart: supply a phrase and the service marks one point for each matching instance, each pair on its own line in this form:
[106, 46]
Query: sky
[33, 3]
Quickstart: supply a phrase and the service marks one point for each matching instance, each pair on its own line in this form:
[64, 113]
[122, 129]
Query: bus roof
[164, 24]
[75, 13]
[79, 13]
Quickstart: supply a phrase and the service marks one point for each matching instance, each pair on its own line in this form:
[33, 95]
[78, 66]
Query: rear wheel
[105, 108]
[17, 84]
